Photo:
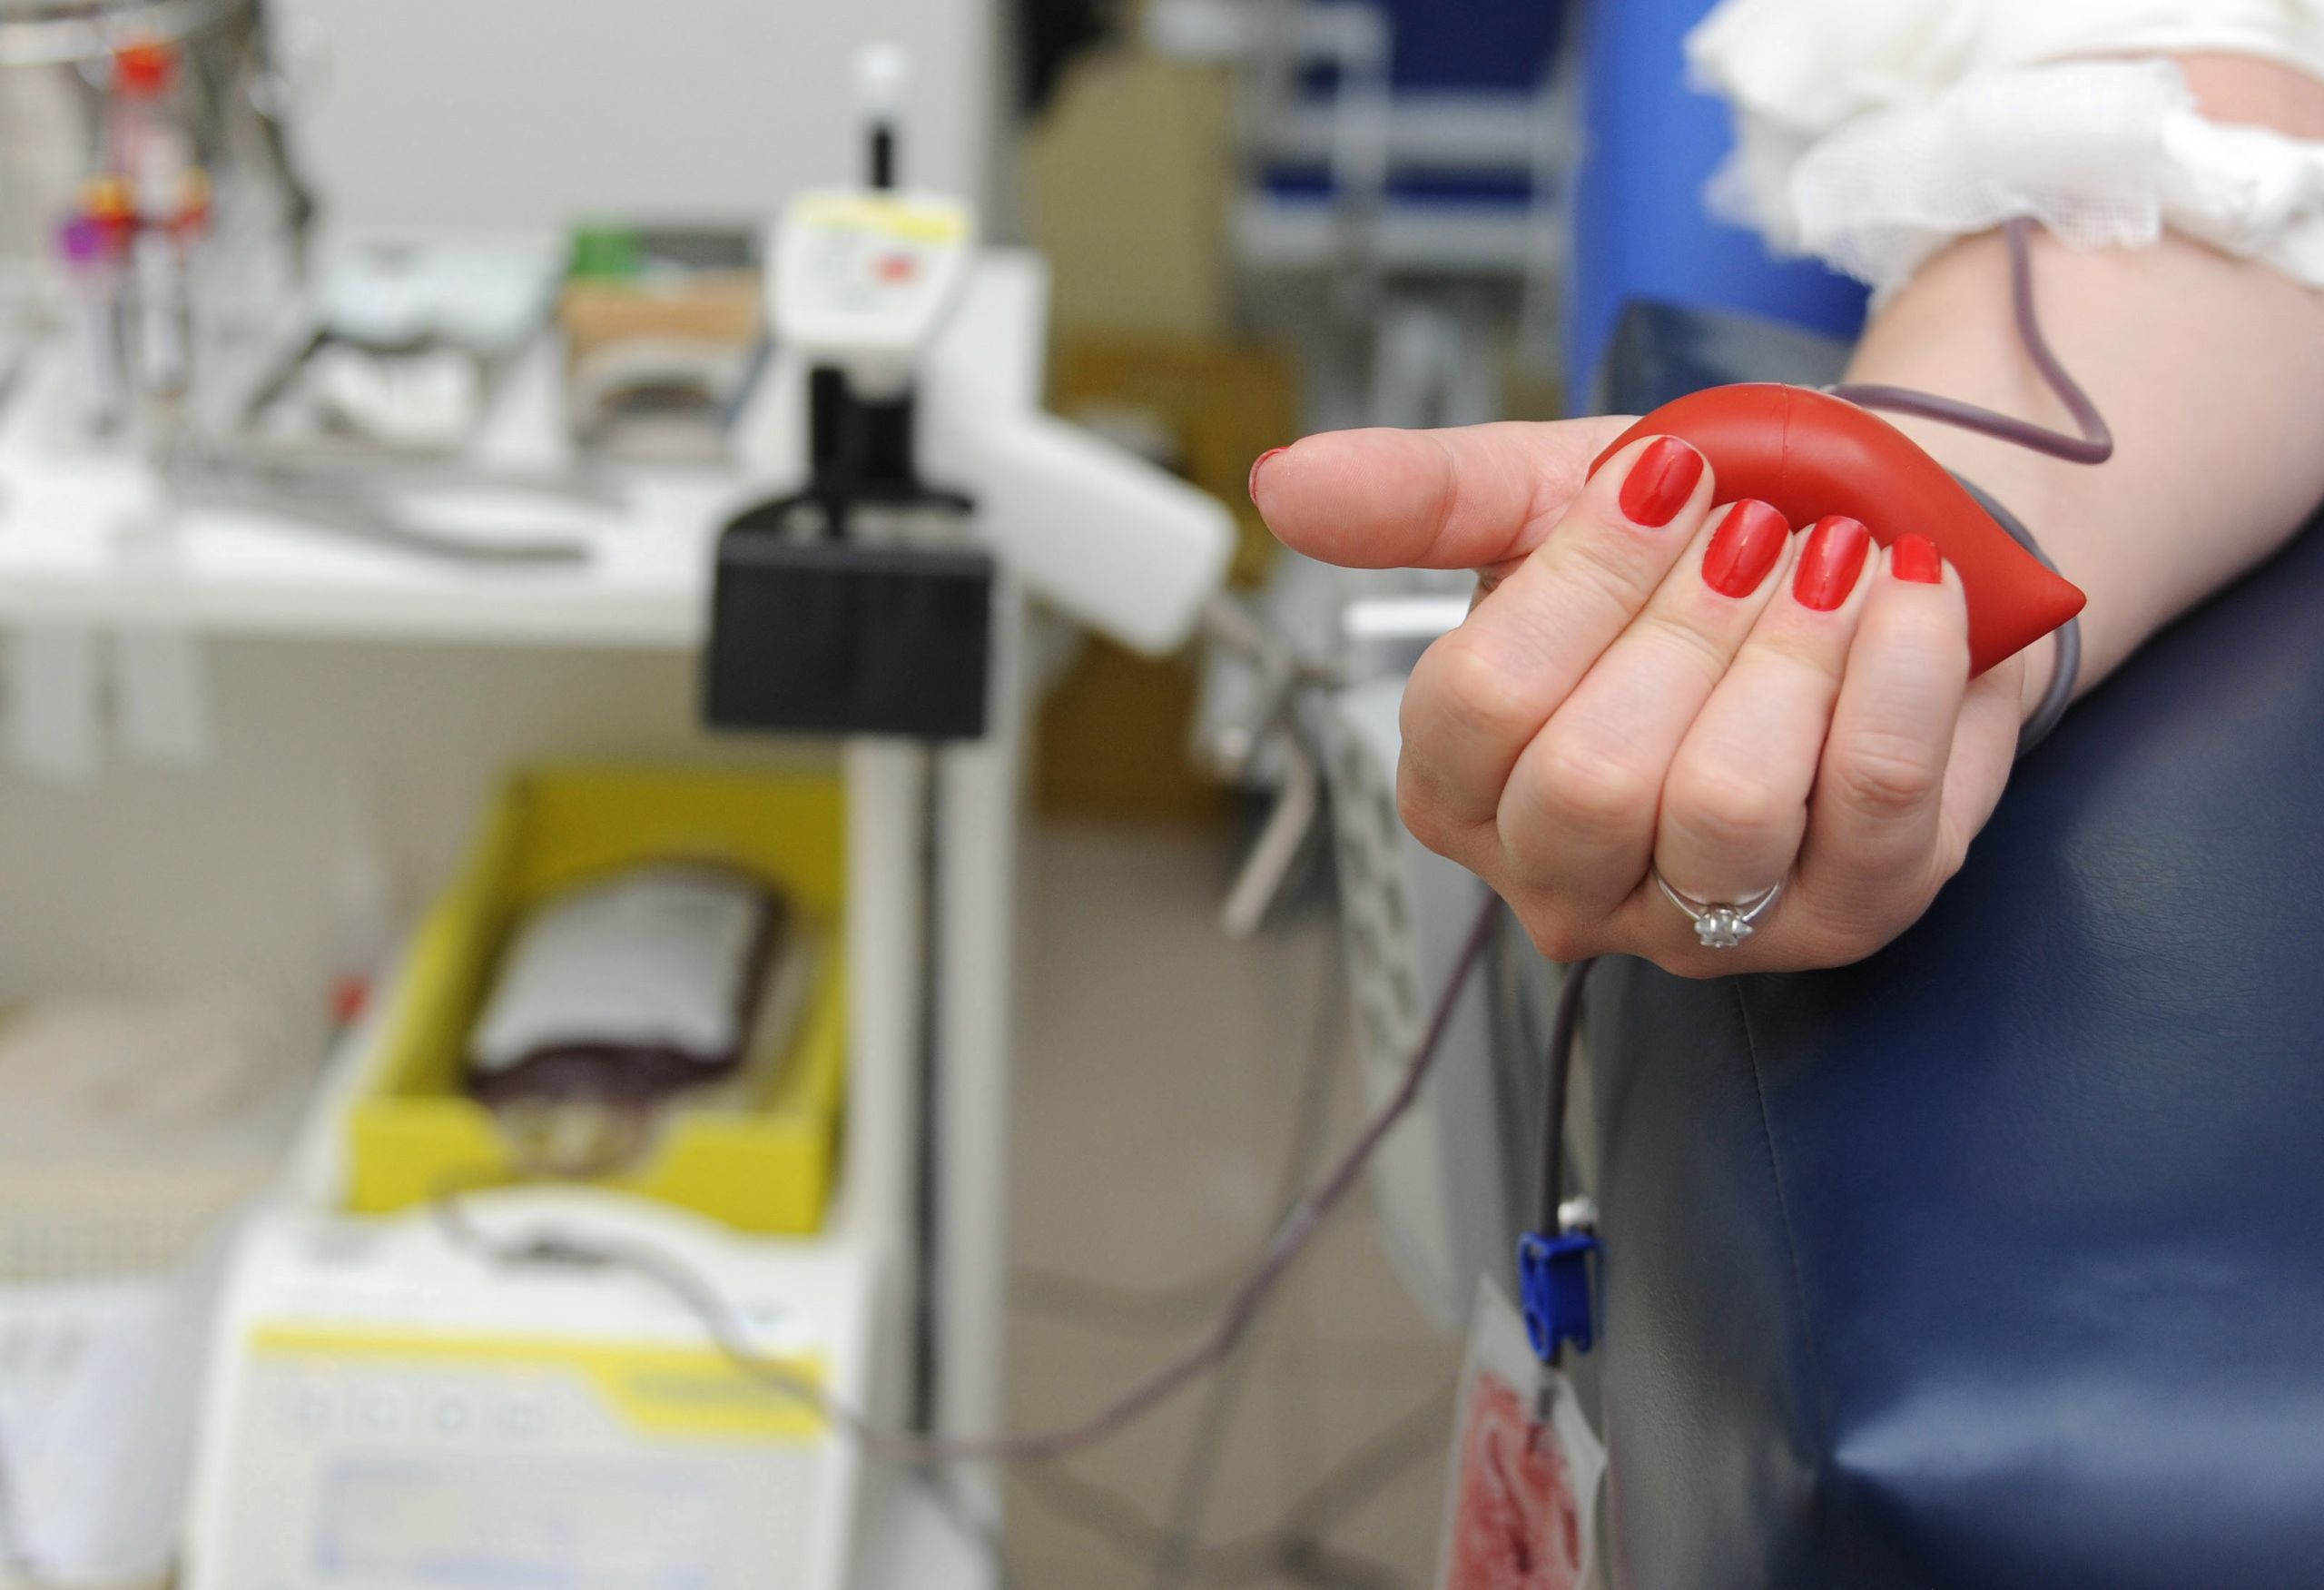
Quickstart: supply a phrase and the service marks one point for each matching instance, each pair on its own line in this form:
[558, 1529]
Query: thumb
[1458, 499]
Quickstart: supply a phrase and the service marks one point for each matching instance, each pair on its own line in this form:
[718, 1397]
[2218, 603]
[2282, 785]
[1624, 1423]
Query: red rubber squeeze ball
[1811, 455]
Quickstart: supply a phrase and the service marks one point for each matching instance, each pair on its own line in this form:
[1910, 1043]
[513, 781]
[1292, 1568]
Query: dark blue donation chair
[1996, 1261]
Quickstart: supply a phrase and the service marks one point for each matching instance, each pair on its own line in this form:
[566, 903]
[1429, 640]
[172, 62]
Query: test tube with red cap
[144, 76]
[154, 159]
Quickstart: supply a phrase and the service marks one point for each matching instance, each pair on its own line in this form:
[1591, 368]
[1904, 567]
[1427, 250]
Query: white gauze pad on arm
[1871, 136]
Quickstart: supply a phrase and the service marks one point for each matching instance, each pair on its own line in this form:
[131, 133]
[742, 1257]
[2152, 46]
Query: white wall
[467, 115]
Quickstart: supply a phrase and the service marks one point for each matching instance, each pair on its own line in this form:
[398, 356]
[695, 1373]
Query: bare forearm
[2210, 369]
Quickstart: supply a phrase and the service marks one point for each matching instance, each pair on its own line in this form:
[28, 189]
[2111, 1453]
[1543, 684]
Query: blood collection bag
[619, 996]
[1522, 1491]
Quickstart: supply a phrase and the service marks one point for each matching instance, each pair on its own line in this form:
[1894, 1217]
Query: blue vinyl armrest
[1996, 1261]
[1657, 351]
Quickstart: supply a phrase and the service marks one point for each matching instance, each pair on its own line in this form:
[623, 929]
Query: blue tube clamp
[1553, 1284]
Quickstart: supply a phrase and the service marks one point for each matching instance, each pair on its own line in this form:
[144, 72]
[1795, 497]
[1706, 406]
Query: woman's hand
[1648, 680]
[1604, 706]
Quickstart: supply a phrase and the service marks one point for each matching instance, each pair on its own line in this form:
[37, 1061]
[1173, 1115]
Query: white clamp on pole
[882, 85]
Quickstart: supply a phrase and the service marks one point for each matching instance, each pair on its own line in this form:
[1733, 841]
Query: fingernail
[1660, 482]
[1256, 465]
[1743, 548]
[1830, 562]
[1915, 557]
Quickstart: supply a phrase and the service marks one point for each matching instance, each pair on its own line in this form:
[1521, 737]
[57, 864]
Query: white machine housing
[415, 1416]
[1090, 528]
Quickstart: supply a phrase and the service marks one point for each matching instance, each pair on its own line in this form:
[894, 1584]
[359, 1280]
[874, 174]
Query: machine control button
[314, 1409]
[383, 1409]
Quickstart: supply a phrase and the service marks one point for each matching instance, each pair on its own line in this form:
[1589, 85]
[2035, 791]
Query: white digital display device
[392, 1411]
[866, 279]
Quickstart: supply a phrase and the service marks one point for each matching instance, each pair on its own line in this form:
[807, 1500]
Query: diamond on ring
[1723, 927]
[1719, 925]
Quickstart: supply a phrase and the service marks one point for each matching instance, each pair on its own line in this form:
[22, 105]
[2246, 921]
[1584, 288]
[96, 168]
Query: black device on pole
[813, 629]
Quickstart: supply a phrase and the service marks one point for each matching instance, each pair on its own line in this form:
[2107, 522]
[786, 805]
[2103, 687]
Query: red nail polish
[1830, 562]
[1915, 557]
[1660, 482]
[1743, 548]
[1256, 465]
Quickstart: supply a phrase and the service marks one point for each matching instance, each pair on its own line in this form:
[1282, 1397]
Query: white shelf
[80, 543]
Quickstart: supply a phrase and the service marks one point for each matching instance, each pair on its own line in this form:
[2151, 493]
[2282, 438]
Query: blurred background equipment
[1403, 184]
[404, 347]
[391, 398]
[664, 338]
[147, 189]
[855, 603]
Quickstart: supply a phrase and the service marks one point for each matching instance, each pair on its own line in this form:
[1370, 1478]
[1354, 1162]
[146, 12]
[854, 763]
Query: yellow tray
[414, 1135]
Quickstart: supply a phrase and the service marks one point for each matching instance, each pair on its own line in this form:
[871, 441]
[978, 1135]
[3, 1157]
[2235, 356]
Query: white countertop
[81, 541]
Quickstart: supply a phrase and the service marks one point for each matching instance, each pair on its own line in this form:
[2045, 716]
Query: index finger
[1465, 497]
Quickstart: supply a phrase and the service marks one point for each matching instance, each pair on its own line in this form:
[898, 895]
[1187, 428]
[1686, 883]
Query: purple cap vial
[83, 241]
